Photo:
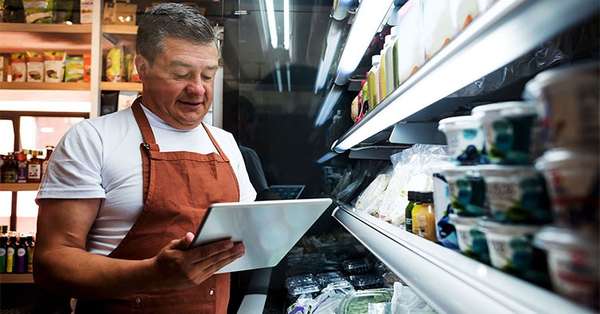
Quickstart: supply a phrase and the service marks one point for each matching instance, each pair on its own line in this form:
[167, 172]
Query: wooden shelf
[16, 278]
[46, 28]
[121, 86]
[19, 187]
[120, 29]
[47, 86]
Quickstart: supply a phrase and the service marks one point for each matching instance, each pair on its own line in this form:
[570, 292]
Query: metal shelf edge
[446, 279]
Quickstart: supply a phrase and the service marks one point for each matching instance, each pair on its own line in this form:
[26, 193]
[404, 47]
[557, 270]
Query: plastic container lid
[526, 110]
[460, 122]
[395, 30]
[458, 170]
[565, 76]
[507, 229]
[495, 108]
[562, 238]
[376, 59]
[420, 197]
[461, 220]
[566, 158]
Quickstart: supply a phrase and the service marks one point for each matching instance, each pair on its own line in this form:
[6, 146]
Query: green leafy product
[38, 11]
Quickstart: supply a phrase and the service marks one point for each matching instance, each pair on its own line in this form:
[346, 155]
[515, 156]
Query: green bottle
[3, 247]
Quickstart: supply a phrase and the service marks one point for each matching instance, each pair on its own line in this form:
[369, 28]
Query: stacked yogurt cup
[524, 188]
[498, 197]
[568, 101]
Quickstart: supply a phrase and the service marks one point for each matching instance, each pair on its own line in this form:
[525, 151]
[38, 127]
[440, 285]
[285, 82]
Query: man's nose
[196, 87]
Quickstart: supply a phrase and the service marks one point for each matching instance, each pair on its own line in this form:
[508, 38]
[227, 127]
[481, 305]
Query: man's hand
[179, 266]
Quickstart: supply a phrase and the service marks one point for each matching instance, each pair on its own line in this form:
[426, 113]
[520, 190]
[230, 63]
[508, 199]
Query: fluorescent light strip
[278, 75]
[264, 22]
[289, 77]
[272, 24]
[334, 37]
[471, 56]
[286, 24]
[368, 19]
[328, 104]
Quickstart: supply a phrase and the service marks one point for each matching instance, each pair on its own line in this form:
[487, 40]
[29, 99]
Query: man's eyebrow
[212, 67]
[180, 63]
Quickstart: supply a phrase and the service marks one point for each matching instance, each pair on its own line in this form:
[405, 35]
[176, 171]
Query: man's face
[178, 86]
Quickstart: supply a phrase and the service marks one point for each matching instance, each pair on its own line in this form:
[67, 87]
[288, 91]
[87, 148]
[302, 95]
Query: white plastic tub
[572, 180]
[467, 191]
[465, 139]
[510, 246]
[568, 96]
[573, 262]
[471, 240]
[515, 194]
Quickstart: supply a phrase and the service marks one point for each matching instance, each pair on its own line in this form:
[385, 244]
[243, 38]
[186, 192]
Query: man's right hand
[179, 266]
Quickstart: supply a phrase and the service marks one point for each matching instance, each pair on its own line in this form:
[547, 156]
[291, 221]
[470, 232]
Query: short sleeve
[247, 192]
[74, 170]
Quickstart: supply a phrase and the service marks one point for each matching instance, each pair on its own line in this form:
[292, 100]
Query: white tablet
[269, 229]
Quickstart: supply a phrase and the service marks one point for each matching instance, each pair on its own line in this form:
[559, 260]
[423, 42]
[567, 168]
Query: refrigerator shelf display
[506, 31]
[16, 278]
[447, 280]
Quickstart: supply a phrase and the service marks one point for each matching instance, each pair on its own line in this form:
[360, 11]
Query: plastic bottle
[10, 253]
[49, 150]
[34, 168]
[21, 256]
[30, 248]
[3, 248]
[9, 170]
[423, 217]
[373, 81]
[382, 76]
[21, 167]
[408, 225]
[390, 61]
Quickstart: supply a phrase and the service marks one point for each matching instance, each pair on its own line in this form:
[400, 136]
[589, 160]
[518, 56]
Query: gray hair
[173, 20]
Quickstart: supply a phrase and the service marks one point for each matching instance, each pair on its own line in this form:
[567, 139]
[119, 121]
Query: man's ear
[142, 66]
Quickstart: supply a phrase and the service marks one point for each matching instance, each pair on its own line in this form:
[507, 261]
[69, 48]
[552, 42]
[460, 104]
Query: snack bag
[114, 64]
[74, 69]
[54, 62]
[86, 7]
[87, 66]
[35, 66]
[18, 66]
[38, 11]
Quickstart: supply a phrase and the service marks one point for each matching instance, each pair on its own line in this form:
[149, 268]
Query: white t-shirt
[100, 158]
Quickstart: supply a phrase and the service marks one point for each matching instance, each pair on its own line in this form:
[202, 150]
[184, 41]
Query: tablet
[269, 229]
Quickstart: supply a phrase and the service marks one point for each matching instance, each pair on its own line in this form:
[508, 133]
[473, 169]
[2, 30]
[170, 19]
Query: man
[123, 192]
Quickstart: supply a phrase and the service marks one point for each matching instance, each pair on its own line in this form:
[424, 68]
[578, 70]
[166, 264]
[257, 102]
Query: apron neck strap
[142, 122]
[214, 142]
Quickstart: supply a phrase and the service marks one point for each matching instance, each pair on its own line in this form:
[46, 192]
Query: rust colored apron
[178, 188]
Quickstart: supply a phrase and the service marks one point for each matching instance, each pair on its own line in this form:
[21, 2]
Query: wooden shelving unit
[16, 278]
[16, 187]
[46, 28]
[121, 86]
[120, 29]
[44, 85]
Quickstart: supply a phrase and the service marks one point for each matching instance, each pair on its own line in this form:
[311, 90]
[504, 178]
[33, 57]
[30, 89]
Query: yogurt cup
[509, 129]
[573, 262]
[568, 96]
[573, 181]
[510, 246]
[467, 191]
[471, 240]
[515, 194]
[464, 137]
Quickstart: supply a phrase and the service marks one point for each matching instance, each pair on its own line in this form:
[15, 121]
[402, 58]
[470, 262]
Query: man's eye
[207, 77]
[181, 75]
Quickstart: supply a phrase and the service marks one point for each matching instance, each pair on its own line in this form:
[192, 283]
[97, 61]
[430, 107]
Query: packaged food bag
[1, 65]
[38, 11]
[437, 26]
[54, 63]
[74, 69]
[114, 64]
[87, 66]
[35, 66]
[86, 7]
[18, 66]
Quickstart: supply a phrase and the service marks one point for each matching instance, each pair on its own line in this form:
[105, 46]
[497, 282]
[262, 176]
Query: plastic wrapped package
[324, 279]
[409, 47]
[438, 28]
[367, 281]
[356, 266]
[303, 305]
[371, 198]
[54, 64]
[413, 170]
[380, 308]
[74, 69]
[404, 300]
[331, 297]
[35, 66]
[38, 11]
[302, 285]
[358, 301]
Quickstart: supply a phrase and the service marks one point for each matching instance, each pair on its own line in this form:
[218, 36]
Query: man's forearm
[82, 274]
